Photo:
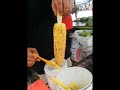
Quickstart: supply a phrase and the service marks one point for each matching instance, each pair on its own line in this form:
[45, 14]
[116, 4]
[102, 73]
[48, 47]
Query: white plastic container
[50, 72]
[80, 76]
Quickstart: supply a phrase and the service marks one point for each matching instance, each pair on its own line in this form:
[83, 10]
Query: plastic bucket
[50, 72]
[80, 76]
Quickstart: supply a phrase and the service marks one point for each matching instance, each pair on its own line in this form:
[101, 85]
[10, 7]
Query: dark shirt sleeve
[40, 30]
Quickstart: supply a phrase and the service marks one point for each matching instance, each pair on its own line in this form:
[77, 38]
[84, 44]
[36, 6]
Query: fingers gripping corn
[59, 33]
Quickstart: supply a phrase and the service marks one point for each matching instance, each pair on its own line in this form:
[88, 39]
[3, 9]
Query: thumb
[35, 52]
[59, 7]
[54, 8]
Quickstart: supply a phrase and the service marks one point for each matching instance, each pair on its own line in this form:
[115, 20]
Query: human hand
[63, 7]
[31, 59]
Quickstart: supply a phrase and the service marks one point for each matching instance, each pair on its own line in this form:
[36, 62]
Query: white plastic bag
[81, 47]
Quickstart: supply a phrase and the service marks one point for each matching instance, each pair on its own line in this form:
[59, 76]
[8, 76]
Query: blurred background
[82, 14]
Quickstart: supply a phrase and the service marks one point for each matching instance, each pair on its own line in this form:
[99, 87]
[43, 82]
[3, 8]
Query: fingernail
[38, 60]
[35, 57]
[60, 14]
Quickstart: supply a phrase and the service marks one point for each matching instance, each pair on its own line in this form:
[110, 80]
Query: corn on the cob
[59, 33]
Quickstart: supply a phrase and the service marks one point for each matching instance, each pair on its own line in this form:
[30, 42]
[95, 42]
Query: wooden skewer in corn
[59, 33]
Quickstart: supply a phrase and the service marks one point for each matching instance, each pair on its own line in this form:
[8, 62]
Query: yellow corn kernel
[59, 33]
